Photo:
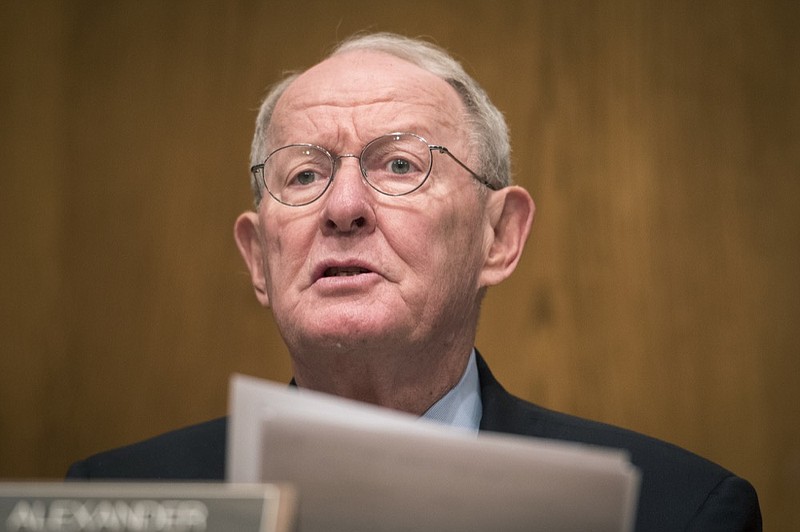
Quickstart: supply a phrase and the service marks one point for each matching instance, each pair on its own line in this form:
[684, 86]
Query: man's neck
[407, 382]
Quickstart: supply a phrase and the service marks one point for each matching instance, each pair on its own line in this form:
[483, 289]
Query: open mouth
[344, 271]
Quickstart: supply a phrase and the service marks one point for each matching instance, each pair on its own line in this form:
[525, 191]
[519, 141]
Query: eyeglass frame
[262, 182]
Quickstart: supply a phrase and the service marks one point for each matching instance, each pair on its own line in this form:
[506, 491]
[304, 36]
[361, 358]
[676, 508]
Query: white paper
[359, 467]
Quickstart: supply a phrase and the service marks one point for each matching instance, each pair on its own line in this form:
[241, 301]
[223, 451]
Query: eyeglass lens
[393, 164]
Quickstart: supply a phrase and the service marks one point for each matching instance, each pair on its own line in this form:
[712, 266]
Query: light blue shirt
[461, 406]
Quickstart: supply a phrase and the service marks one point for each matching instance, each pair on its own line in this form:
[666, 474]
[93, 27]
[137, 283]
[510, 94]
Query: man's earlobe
[511, 211]
[248, 240]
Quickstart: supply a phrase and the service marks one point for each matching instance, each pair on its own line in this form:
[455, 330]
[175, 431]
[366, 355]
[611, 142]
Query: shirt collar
[461, 406]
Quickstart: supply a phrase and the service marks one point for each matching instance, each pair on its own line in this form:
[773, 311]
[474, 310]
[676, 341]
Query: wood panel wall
[659, 290]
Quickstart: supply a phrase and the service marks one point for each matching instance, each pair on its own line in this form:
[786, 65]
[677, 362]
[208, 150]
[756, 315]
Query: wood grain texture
[659, 291]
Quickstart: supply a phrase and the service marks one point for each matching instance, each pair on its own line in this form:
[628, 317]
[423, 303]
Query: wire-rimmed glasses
[394, 164]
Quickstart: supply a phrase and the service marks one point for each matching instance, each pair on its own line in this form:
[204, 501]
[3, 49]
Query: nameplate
[145, 507]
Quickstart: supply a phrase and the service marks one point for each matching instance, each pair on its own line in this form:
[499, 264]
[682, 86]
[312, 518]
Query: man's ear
[246, 231]
[510, 212]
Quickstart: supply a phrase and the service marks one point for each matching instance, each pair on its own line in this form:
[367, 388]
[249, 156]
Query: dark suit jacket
[679, 490]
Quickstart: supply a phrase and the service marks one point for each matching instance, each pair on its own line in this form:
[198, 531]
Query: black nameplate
[140, 507]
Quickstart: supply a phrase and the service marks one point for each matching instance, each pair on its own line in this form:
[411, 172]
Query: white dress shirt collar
[461, 406]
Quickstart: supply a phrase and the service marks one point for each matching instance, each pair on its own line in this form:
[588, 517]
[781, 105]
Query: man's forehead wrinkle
[354, 97]
[377, 117]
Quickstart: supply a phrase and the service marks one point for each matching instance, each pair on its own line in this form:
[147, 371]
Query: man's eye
[304, 178]
[400, 166]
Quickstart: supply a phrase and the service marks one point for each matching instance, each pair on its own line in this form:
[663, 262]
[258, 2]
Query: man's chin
[356, 340]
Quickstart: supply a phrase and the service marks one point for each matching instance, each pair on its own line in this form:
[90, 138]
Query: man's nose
[349, 201]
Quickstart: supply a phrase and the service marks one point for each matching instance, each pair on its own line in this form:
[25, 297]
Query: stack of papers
[359, 467]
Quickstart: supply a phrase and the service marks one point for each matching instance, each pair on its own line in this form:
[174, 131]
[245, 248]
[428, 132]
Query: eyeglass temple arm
[483, 180]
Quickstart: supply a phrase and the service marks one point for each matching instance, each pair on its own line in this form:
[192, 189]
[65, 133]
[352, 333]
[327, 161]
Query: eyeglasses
[395, 164]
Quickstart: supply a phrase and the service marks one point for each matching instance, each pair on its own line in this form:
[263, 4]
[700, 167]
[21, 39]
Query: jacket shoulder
[196, 452]
[679, 489]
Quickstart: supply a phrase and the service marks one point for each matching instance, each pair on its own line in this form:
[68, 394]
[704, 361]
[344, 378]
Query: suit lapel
[502, 412]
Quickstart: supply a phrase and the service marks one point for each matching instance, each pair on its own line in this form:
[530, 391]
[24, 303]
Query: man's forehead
[358, 72]
[370, 85]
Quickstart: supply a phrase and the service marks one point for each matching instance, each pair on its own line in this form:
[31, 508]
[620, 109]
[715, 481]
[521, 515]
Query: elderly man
[383, 213]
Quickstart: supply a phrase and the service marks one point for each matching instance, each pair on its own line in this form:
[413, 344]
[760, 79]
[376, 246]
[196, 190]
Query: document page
[359, 467]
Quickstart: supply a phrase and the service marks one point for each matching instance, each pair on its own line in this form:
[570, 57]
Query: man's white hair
[487, 127]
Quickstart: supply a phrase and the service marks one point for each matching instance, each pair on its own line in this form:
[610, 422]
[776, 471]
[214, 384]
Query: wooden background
[659, 290]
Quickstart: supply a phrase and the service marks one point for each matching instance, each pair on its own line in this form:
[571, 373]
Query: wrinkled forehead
[364, 94]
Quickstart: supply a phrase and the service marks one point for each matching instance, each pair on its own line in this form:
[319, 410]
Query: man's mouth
[343, 271]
